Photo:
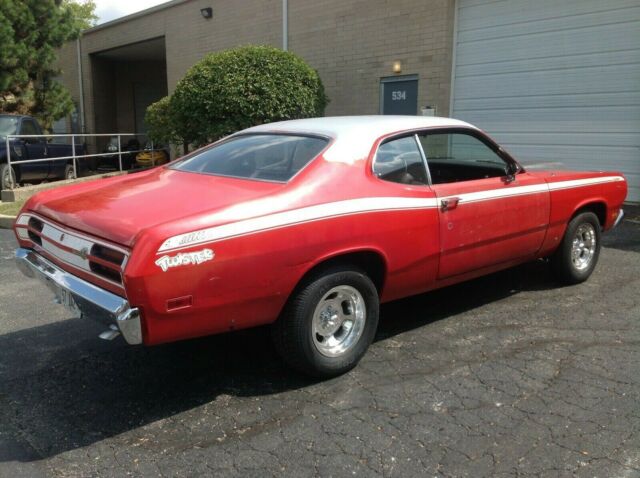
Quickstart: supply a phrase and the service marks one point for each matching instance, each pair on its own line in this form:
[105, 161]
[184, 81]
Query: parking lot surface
[507, 375]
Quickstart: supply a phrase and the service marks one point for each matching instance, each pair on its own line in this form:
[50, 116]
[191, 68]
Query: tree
[30, 33]
[242, 87]
[83, 12]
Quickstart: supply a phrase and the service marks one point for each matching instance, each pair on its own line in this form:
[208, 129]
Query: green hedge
[235, 89]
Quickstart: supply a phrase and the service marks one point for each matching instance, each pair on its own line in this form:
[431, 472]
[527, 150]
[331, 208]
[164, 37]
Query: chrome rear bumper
[92, 301]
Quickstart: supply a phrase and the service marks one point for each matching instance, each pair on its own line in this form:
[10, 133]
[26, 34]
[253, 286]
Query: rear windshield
[267, 157]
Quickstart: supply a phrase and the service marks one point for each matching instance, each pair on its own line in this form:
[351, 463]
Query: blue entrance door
[399, 95]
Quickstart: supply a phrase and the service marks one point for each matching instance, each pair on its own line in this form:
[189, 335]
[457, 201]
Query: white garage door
[553, 81]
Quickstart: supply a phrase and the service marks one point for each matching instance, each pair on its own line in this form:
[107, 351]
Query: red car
[308, 225]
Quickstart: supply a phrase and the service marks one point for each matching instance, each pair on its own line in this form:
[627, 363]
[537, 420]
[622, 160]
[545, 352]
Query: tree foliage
[83, 13]
[242, 87]
[30, 33]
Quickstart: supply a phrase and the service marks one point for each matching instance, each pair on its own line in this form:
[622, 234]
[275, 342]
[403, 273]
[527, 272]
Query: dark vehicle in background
[24, 149]
[111, 162]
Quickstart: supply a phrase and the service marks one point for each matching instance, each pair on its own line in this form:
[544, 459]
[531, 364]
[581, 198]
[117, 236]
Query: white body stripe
[357, 206]
[584, 182]
[533, 189]
[296, 216]
[501, 193]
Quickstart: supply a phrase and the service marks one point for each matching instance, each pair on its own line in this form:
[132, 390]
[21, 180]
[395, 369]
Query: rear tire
[576, 258]
[329, 322]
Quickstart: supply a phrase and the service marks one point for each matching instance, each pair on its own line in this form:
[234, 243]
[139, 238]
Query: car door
[402, 177]
[36, 148]
[491, 212]
[55, 150]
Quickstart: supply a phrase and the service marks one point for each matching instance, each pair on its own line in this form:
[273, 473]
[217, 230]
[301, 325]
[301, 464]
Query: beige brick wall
[352, 43]
[68, 65]
[189, 37]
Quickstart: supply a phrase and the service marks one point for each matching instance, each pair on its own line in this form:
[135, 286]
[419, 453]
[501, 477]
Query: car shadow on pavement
[413, 312]
[626, 236]
[83, 394]
[61, 388]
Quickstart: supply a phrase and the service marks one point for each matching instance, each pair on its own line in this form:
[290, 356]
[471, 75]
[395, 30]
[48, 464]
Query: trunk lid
[118, 209]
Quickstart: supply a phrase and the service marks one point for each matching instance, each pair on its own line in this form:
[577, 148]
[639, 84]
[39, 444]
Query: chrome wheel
[583, 247]
[338, 321]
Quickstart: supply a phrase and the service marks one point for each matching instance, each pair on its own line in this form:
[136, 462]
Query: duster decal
[184, 259]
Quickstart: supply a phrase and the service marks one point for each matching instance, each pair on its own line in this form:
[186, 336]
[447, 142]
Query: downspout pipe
[285, 25]
[80, 84]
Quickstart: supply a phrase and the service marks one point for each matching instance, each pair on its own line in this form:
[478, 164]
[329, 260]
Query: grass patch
[11, 208]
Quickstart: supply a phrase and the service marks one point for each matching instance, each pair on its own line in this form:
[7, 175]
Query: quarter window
[400, 161]
[454, 157]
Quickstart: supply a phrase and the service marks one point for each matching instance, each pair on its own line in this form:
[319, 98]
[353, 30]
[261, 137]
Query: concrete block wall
[68, 66]
[352, 43]
[189, 37]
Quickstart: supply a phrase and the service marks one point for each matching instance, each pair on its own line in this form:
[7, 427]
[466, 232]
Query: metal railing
[73, 159]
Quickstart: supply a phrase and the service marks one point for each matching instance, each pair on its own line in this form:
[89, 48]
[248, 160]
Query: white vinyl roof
[377, 125]
[354, 135]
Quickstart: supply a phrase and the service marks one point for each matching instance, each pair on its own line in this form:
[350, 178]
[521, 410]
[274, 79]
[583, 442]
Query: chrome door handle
[449, 204]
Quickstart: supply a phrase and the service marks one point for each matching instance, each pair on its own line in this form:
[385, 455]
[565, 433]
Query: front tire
[8, 177]
[577, 256]
[328, 324]
[69, 173]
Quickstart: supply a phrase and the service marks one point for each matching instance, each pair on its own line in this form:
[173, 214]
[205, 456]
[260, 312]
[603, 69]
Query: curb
[6, 222]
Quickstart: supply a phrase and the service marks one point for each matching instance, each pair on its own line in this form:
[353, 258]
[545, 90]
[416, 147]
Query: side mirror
[511, 169]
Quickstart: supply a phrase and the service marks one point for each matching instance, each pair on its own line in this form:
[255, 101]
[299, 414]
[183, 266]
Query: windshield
[8, 125]
[268, 157]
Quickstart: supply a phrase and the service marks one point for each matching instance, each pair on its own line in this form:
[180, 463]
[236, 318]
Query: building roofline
[133, 16]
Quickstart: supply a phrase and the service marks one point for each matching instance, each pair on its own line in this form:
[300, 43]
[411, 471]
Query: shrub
[238, 88]
[158, 120]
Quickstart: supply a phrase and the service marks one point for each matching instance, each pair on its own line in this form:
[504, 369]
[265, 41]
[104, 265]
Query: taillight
[35, 229]
[106, 262]
[107, 254]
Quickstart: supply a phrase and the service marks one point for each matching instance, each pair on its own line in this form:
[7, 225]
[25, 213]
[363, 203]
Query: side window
[28, 128]
[400, 161]
[454, 157]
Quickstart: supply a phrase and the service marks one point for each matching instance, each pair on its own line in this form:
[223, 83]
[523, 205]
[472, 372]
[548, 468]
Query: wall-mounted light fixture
[206, 12]
[397, 66]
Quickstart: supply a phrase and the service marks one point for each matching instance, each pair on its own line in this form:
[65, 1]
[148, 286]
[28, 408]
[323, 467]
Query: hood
[119, 209]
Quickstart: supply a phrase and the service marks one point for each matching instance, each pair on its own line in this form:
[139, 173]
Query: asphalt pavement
[507, 375]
